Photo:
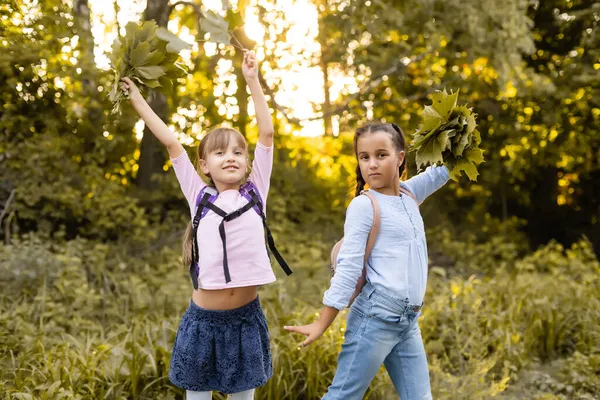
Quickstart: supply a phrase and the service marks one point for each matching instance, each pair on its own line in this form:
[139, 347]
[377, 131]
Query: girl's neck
[223, 186]
[388, 191]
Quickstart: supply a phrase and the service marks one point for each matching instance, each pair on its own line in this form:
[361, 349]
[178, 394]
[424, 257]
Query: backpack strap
[205, 202]
[226, 218]
[270, 241]
[245, 191]
[211, 199]
[376, 223]
[204, 198]
[407, 192]
[371, 239]
[373, 233]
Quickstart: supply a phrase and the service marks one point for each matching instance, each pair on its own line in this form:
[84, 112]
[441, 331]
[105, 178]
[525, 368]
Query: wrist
[136, 98]
[252, 81]
[322, 325]
[323, 322]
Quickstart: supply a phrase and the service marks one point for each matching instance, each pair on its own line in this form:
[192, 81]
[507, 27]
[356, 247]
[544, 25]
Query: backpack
[371, 239]
[205, 202]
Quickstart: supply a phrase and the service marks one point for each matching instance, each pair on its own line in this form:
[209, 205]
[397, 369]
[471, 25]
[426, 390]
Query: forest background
[92, 286]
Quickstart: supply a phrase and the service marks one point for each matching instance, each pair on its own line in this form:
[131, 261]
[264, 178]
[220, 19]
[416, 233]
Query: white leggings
[247, 395]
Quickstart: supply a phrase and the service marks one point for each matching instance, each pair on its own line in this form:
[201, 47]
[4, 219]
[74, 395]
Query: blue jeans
[381, 329]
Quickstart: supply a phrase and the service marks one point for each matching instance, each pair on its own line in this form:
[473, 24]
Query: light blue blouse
[398, 262]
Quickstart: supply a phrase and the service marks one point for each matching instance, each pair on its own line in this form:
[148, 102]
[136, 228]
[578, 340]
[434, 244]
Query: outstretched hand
[127, 86]
[250, 65]
[312, 332]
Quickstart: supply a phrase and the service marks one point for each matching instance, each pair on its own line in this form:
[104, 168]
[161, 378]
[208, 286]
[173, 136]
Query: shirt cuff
[446, 172]
[180, 158]
[330, 303]
[259, 145]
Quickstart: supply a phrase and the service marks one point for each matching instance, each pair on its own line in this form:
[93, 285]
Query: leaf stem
[426, 136]
[230, 44]
[238, 42]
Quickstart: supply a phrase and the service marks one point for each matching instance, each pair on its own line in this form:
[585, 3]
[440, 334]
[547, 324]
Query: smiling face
[224, 158]
[379, 161]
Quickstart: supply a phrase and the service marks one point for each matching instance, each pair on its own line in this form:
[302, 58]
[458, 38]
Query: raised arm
[263, 116]
[427, 182]
[186, 174]
[152, 121]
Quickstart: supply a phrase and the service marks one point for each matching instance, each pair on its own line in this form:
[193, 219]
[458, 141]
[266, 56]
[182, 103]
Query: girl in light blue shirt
[382, 324]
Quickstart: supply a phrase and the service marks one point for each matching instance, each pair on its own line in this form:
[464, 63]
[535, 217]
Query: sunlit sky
[297, 58]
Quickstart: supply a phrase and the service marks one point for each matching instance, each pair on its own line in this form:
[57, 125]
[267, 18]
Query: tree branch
[371, 84]
[276, 105]
[7, 227]
[7, 205]
[419, 96]
[195, 6]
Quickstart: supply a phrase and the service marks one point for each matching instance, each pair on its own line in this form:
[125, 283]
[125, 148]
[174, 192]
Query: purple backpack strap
[245, 191]
[250, 192]
[213, 196]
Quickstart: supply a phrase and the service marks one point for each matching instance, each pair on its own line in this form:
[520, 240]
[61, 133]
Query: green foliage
[84, 319]
[537, 116]
[448, 136]
[66, 173]
[148, 56]
[531, 76]
[90, 313]
[216, 26]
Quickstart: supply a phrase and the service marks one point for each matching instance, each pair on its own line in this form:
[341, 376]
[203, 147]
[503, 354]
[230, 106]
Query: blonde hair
[215, 139]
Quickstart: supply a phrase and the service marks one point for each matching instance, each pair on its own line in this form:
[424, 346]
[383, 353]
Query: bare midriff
[224, 299]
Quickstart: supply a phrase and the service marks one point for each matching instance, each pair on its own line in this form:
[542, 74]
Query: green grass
[80, 320]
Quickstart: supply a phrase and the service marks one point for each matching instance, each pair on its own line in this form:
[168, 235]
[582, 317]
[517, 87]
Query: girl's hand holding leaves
[250, 65]
[448, 135]
[148, 56]
[130, 89]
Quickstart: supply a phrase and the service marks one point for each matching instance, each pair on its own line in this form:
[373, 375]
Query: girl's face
[227, 166]
[379, 161]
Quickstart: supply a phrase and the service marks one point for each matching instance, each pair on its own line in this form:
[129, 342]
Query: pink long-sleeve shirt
[247, 256]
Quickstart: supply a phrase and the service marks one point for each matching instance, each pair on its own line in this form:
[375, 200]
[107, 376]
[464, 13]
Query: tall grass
[81, 321]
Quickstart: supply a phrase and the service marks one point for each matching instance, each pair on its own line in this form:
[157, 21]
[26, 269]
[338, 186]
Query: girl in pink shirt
[222, 342]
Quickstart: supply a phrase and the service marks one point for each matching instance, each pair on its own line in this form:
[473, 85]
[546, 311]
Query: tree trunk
[89, 77]
[327, 104]
[152, 154]
[323, 63]
[81, 11]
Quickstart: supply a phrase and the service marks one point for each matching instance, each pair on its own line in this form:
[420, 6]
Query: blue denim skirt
[226, 351]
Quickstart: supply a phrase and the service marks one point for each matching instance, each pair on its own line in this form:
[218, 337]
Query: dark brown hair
[398, 140]
[216, 139]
